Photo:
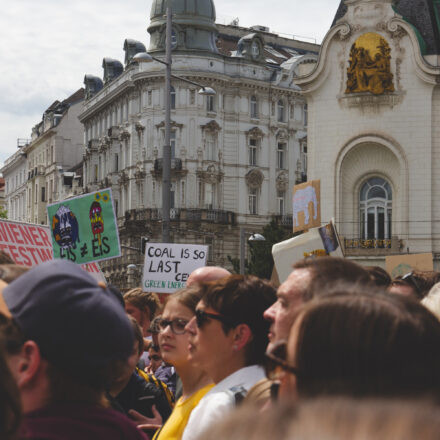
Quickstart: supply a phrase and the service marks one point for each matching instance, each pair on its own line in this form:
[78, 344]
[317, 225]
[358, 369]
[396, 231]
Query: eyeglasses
[202, 317]
[177, 325]
[276, 364]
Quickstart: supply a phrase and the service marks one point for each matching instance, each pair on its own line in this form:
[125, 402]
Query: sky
[47, 46]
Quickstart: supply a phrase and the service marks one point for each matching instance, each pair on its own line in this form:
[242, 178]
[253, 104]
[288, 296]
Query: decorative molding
[255, 132]
[282, 181]
[254, 179]
[212, 126]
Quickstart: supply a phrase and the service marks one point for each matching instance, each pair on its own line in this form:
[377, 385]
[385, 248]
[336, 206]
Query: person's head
[310, 278]
[142, 306]
[154, 356]
[207, 273]
[173, 338]
[416, 284]
[363, 344]
[332, 418]
[229, 331]
[10, 408]
[379, 276]
[66, 336]
[10, 272]
[5, 258]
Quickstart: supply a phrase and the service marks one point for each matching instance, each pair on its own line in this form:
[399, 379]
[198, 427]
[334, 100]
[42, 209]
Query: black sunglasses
[276, 362]
[202, 317]
[177, 325]
[412, 281]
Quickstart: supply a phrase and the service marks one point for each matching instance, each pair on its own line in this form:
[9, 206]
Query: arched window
[280, 110]
[173, 98]
[375, 202]
[254, 107]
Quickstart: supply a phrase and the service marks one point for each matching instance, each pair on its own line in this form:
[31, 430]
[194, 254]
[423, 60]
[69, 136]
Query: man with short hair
[66, 338]
[143, 306]
[228, 337]
[310, 278]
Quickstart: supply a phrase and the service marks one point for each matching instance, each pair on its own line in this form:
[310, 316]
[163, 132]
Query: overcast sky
[47, 46]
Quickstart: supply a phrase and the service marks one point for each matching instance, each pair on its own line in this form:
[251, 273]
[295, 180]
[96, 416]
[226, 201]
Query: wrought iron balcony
[362, 246]
[176, 164]
[285, 220]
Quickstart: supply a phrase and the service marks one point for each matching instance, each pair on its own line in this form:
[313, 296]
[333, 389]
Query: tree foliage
[3, 212]
[260, 261]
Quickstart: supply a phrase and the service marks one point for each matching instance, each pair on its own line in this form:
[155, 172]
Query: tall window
[281, 197]
[254, 107]
[253, 194]
[375, 202]
[192, 97]
[211, 146]
[210, 103]
[173, 144]
[210, 195]
[253, 152]
[306, 114]
[281, 111]
[281, 156]
[173, 98]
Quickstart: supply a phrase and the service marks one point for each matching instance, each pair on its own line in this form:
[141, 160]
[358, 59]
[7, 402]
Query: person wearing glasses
[174, 346]
[228, 339]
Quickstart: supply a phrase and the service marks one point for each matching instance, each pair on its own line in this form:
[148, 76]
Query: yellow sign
[307, 205]
[370, 66]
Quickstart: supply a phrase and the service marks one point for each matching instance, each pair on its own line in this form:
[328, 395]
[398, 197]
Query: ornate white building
[235, 156]
[373, 133]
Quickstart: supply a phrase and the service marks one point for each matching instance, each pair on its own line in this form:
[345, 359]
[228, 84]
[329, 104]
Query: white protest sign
[168, 266]
[317, 242]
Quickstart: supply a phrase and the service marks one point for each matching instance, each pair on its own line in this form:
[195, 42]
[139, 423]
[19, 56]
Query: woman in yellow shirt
[173, 341]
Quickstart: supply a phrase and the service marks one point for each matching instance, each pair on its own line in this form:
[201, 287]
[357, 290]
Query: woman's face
[174, 347]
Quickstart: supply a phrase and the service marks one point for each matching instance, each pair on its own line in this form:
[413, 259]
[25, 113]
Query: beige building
[236, 155]
[373, 133]
[55, 147]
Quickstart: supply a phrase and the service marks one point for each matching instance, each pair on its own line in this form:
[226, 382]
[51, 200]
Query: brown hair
[138, 336]
[5, 258]
[142, 300]
[10, 272]
[422, 281]
[188, 297]
[379, 276]
[330, 272]
[363, 344]
[243, 300]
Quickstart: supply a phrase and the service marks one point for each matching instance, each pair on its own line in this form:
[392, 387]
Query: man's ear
[27, 364]
[242, 336]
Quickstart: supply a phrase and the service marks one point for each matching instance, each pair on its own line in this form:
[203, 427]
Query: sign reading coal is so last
[168, 266]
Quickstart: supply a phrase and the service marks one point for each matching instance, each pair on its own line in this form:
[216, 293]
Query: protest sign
[84, 228]
[307, 205]
[168, 266]
[30, 245]
[402, 264]
[318, 242]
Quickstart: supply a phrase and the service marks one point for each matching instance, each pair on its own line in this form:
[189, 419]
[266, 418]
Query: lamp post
[143, 57]
[253, 237]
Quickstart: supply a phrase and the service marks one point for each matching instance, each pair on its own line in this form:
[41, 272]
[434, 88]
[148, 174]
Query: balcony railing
[285, 220]
[183, 215]
[176, 164]
[362, 246]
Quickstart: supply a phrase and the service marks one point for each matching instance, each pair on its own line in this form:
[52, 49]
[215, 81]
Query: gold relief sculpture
[370, 66]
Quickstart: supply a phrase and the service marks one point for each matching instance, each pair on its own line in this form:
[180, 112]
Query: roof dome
[193, 25]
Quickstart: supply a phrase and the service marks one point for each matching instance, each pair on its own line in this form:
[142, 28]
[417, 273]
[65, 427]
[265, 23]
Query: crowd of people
[337, 351]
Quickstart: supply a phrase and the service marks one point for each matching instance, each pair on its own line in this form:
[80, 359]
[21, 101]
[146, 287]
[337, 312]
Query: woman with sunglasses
[173, 341]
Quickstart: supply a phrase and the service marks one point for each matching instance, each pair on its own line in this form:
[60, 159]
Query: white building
[56, 146]
[236, 156]
[373, 133]
[15, 173]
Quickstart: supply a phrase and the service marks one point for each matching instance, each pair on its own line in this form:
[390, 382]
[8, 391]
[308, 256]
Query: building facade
[373, 133]
[41, 171]
[235, 155]
[15, 173]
